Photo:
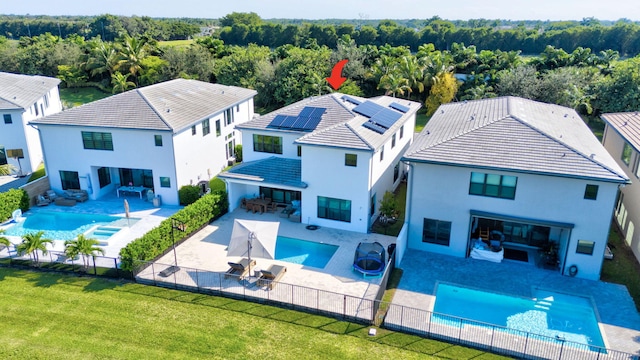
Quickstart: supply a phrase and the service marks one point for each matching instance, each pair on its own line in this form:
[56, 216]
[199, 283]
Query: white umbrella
[257, 238]
[126, 211]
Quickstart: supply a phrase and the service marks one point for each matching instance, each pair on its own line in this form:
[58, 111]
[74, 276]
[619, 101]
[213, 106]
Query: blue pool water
[59, 225]
[303, 252]
[550, 314]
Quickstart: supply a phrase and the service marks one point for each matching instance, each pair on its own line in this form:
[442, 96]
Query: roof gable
[19, 91]
[514, 134]
[627, 124]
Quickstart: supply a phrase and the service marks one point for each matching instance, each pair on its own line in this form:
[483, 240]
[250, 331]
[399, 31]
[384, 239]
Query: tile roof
[627, 124]
[272, 170]
[19, 91]
[514, 134]
[340, 125]
[171, 105]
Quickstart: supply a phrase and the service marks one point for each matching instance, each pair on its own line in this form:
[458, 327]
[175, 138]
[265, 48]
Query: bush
[188, 194]
[217, 185]
[158, 240]
[12, 200]
[238, 150]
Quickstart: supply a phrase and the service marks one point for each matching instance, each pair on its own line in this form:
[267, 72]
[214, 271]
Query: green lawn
[421, 121]
[52, 316]
[175, 43]
[72, 97]
[624, 268]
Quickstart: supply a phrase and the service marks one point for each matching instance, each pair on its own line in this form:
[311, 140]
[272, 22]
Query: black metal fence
[487, 337]
[58, 261]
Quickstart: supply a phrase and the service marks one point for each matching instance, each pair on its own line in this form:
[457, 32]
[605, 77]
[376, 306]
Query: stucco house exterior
[334, 156]
[24, 98]
[532, 172]
[621, 138]
[159, 137]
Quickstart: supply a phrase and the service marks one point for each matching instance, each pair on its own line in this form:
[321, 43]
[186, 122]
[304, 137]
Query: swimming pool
[304, 252]
[551, 314]
[61, 225]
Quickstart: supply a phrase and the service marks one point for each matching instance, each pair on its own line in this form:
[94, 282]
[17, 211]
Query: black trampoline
[369, 259]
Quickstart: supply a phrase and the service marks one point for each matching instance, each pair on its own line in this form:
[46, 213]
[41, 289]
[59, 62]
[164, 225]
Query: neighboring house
[532, 171]
[622, 139]
[24, 98]
[336, 154]
[159, 137]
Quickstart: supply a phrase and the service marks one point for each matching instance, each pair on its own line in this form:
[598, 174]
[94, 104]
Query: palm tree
[32, 243]
[394, 84]
[3, 239]
[121, 82]
[102, 59]
[130, 56]
[84, 246]
[6, 169]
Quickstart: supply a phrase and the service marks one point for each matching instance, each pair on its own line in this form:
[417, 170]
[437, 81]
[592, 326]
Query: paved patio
[619, 319]
[207, 250]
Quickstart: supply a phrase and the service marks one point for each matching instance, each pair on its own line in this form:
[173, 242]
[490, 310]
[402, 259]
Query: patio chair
[239, 269]
[42, 201]
[51, 195]
[271, 276]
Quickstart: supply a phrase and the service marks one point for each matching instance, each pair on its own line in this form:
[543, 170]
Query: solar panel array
[351, 100]
[307, 120]
[380, 118]
[399, 107]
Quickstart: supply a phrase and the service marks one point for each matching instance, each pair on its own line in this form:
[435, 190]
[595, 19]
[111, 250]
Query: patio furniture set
[261, 205]
[67, 198]
[268, 278]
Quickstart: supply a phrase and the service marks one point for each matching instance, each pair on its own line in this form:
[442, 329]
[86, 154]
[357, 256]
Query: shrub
[12, 200]
[158, 240]
[238, 150]
[217, 185]
[188, 194]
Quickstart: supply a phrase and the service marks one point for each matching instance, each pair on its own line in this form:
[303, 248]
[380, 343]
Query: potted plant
[550, 253]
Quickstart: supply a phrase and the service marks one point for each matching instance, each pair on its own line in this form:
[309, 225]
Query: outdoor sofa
[77, 195]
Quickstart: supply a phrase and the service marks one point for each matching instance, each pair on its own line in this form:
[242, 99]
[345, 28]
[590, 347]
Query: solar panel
[374, 127]
[351, 100]
[368, 109]
[399, 107]
[312, 123]
[308, 110]
[317, 113]
[277, 121]
[290, 120]
[386, 118]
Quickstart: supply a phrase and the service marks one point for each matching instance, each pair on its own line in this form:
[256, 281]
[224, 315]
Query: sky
[340, 9]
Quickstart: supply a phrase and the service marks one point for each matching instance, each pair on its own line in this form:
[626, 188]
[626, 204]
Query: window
[165, 182]
[267, 144]
[7, 119]
[104, 177]
[637, 171]
[372, 206]
[382, 153]
[3, 156]
[206, 129]
[36, 107]
[46, 100]
[158, 139]
[334, 209]
[501, 186]
[218, 131]
[350, 160]
[70, 180]
[238, 108]
[193, 130]
[626, 153]
[280, 196]
[393, 141]
[299, 151]
[97, 140]
[228, 116]
[591, 192]
[396, 172]
[401, 131]
[436, 232]
[585, 247]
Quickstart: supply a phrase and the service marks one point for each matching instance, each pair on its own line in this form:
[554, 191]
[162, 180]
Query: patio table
[132, 189]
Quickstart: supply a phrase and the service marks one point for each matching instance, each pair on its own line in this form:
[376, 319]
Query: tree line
[587, 81]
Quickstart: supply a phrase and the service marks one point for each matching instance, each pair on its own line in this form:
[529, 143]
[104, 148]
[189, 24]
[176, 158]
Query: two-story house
[159, 137]
[335, 154]
[621, 138]
[24, 98]
[533, 172]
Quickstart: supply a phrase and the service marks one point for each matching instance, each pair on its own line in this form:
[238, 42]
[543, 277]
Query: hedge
[12, 200]
[158, 240]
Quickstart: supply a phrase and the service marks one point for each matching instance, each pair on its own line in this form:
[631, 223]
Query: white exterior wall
[289, 149]
[134, 149]
[20, 135]
[325, 173]
[628, 215]
[442, 193]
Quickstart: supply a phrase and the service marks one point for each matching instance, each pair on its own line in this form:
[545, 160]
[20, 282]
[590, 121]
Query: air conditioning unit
[231, 161]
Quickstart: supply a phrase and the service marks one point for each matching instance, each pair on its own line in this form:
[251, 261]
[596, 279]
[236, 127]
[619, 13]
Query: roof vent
[624, 124]
[592, 156]
[428, 132]
[168, 110]
[441, 111]
[566, 115]
[473, 117]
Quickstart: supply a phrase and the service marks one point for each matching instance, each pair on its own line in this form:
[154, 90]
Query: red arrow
[336, 78]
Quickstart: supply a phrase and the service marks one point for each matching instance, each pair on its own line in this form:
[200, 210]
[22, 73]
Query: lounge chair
[270, 277]
[51, 195]
[239, 269]
[42, 201]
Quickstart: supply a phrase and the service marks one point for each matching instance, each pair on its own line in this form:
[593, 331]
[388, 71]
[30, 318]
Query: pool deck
[619, 319]
[207, 250]
[143, 215]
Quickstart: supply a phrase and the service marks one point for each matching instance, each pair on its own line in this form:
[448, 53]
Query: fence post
[344, 306]
[153, 271]
[197, 281]
[561, 348]
[95, 269]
